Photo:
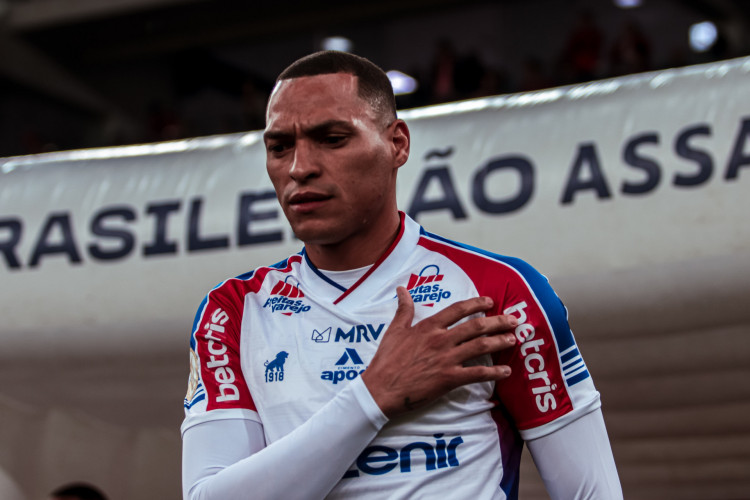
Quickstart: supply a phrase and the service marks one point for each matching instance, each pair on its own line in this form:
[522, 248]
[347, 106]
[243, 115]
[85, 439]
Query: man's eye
[277, 148]
[333, 139]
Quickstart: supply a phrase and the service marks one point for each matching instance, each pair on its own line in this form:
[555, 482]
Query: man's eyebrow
[322, 127]
[276, 135]
[316, 130]
[313, 130]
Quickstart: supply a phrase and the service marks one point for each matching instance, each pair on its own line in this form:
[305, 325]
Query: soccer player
[382, 361]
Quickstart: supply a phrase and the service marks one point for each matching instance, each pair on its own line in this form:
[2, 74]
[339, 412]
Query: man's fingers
[486, 325]
[459, 310]
[405, 309]
[484, 345]
[480, 373]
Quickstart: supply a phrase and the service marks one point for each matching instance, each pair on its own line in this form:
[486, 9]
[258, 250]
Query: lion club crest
[275, 367]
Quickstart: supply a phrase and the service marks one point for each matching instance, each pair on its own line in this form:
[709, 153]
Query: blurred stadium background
[90, 73]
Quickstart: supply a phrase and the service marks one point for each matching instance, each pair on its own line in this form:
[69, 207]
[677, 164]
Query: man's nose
[304, 163]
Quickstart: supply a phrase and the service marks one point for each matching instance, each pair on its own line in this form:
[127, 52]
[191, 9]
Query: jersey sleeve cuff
[593, 404]
[368, 404]
[222, 414]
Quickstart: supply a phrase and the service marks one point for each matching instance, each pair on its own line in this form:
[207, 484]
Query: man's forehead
[316, 98]
[336, 83]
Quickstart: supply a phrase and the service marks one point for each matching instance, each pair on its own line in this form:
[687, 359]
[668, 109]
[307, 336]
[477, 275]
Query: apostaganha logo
[282, 299]
[348, 367]
[275, 367]
[425, 288]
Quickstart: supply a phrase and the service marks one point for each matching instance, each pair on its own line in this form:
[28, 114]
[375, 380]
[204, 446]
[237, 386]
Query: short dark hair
[373, 84]
[80, 491]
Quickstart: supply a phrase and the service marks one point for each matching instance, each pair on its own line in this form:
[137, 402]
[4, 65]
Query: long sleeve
[227, 458]
[576, 462]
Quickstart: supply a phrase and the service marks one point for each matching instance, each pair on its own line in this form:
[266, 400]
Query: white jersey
[276, 344]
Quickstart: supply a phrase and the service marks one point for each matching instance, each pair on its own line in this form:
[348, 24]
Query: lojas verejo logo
[425, 287]
[286, 298]
[275, 368]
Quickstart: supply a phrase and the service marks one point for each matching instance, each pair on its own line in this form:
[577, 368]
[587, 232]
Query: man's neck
[357, 251]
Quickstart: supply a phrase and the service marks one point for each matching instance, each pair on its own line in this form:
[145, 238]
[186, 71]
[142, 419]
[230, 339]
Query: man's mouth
[307, 201]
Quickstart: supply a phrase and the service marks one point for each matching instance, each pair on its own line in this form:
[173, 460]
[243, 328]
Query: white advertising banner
[102, 248]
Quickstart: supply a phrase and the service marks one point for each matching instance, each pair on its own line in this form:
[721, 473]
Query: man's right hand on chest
[416, 364]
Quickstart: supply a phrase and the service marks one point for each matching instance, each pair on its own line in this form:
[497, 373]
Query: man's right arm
[414, 365]
[226, 459]
[225, 455]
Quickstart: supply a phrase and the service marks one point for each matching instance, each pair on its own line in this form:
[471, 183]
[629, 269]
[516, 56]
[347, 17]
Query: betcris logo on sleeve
[218, 360]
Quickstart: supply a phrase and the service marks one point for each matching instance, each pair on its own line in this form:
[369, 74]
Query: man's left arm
[550, 394]
[576, 461]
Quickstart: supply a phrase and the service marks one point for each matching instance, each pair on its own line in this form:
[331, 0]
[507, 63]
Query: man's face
[331, 157]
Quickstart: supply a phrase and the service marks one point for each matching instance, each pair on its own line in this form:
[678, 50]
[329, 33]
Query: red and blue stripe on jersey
[511, 282]
[545, 362]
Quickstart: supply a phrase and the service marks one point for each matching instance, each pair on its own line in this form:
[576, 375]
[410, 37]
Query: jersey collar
[375, 278]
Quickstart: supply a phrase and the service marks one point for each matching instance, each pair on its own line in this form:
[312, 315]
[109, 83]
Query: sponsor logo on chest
[349, 363]
[426, 288]
[352, 334]
[348, 367]
[286, 298]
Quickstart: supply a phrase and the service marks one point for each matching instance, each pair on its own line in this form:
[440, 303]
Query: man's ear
[401, 142]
